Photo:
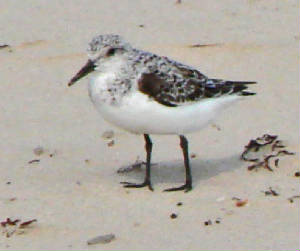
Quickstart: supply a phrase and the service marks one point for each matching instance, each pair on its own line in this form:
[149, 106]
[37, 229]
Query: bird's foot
[135, 185]
[186, 187]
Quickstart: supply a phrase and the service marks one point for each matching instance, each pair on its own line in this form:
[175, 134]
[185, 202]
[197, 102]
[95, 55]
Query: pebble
[193, 155]
[108, 134]
[111, 143]
[173, 216]
[101, 239]
[241, 203]
[39, 150]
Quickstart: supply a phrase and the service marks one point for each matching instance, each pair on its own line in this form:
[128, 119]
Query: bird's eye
[110, 52]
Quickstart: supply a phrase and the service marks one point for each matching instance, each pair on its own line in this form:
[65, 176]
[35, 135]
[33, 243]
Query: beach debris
[39, 150]
[101, 239]
[141, 26]
[10, 227]
[2, 46]
[110, 143]
[51, 155]
[173, 216]
[136, 166]
[297, 174]
[34, 161]
[262, 149]
[193, 155]
[291, 199]
[208, 222]
[239, 202]
[8, 183]
[27, 223]
[178, 1]
[203, 45]
[271, 191]
[9, 222]
[216, 126]
[108, 134]
[6, 47]
[179, 204]
[218, 220]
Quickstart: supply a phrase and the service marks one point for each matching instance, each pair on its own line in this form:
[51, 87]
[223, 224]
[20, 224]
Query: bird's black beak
[85, 70]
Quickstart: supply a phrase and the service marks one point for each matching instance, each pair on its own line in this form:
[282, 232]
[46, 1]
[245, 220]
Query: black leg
[188, 176]
[147, 181]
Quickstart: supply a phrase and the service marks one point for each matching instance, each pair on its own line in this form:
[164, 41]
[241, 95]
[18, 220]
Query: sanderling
[144, 93]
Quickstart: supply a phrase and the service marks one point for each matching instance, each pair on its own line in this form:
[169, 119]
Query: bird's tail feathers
[235, 87]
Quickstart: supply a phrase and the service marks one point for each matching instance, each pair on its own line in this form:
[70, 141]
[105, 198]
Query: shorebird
[145, 93]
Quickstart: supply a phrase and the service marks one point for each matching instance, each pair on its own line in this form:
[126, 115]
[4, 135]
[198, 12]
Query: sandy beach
[71, 186]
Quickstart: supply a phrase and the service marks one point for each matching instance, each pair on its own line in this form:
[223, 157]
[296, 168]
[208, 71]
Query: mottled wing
[182, 85]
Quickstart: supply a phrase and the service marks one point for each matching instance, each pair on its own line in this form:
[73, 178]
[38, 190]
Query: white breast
[98, 88]
[102, 84]
[138, 114]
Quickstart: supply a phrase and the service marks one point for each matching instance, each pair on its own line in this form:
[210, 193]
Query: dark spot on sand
[173, 216]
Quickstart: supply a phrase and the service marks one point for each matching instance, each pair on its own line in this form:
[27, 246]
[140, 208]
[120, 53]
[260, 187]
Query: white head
[101, 48]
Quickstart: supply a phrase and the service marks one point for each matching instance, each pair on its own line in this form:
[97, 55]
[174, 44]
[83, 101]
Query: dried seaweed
[262, 149]
[10, 227]
[271, 191]
[9, 222]
[27, 223]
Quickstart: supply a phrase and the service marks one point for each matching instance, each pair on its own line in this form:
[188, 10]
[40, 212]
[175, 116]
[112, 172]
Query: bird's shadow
[174, 172]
